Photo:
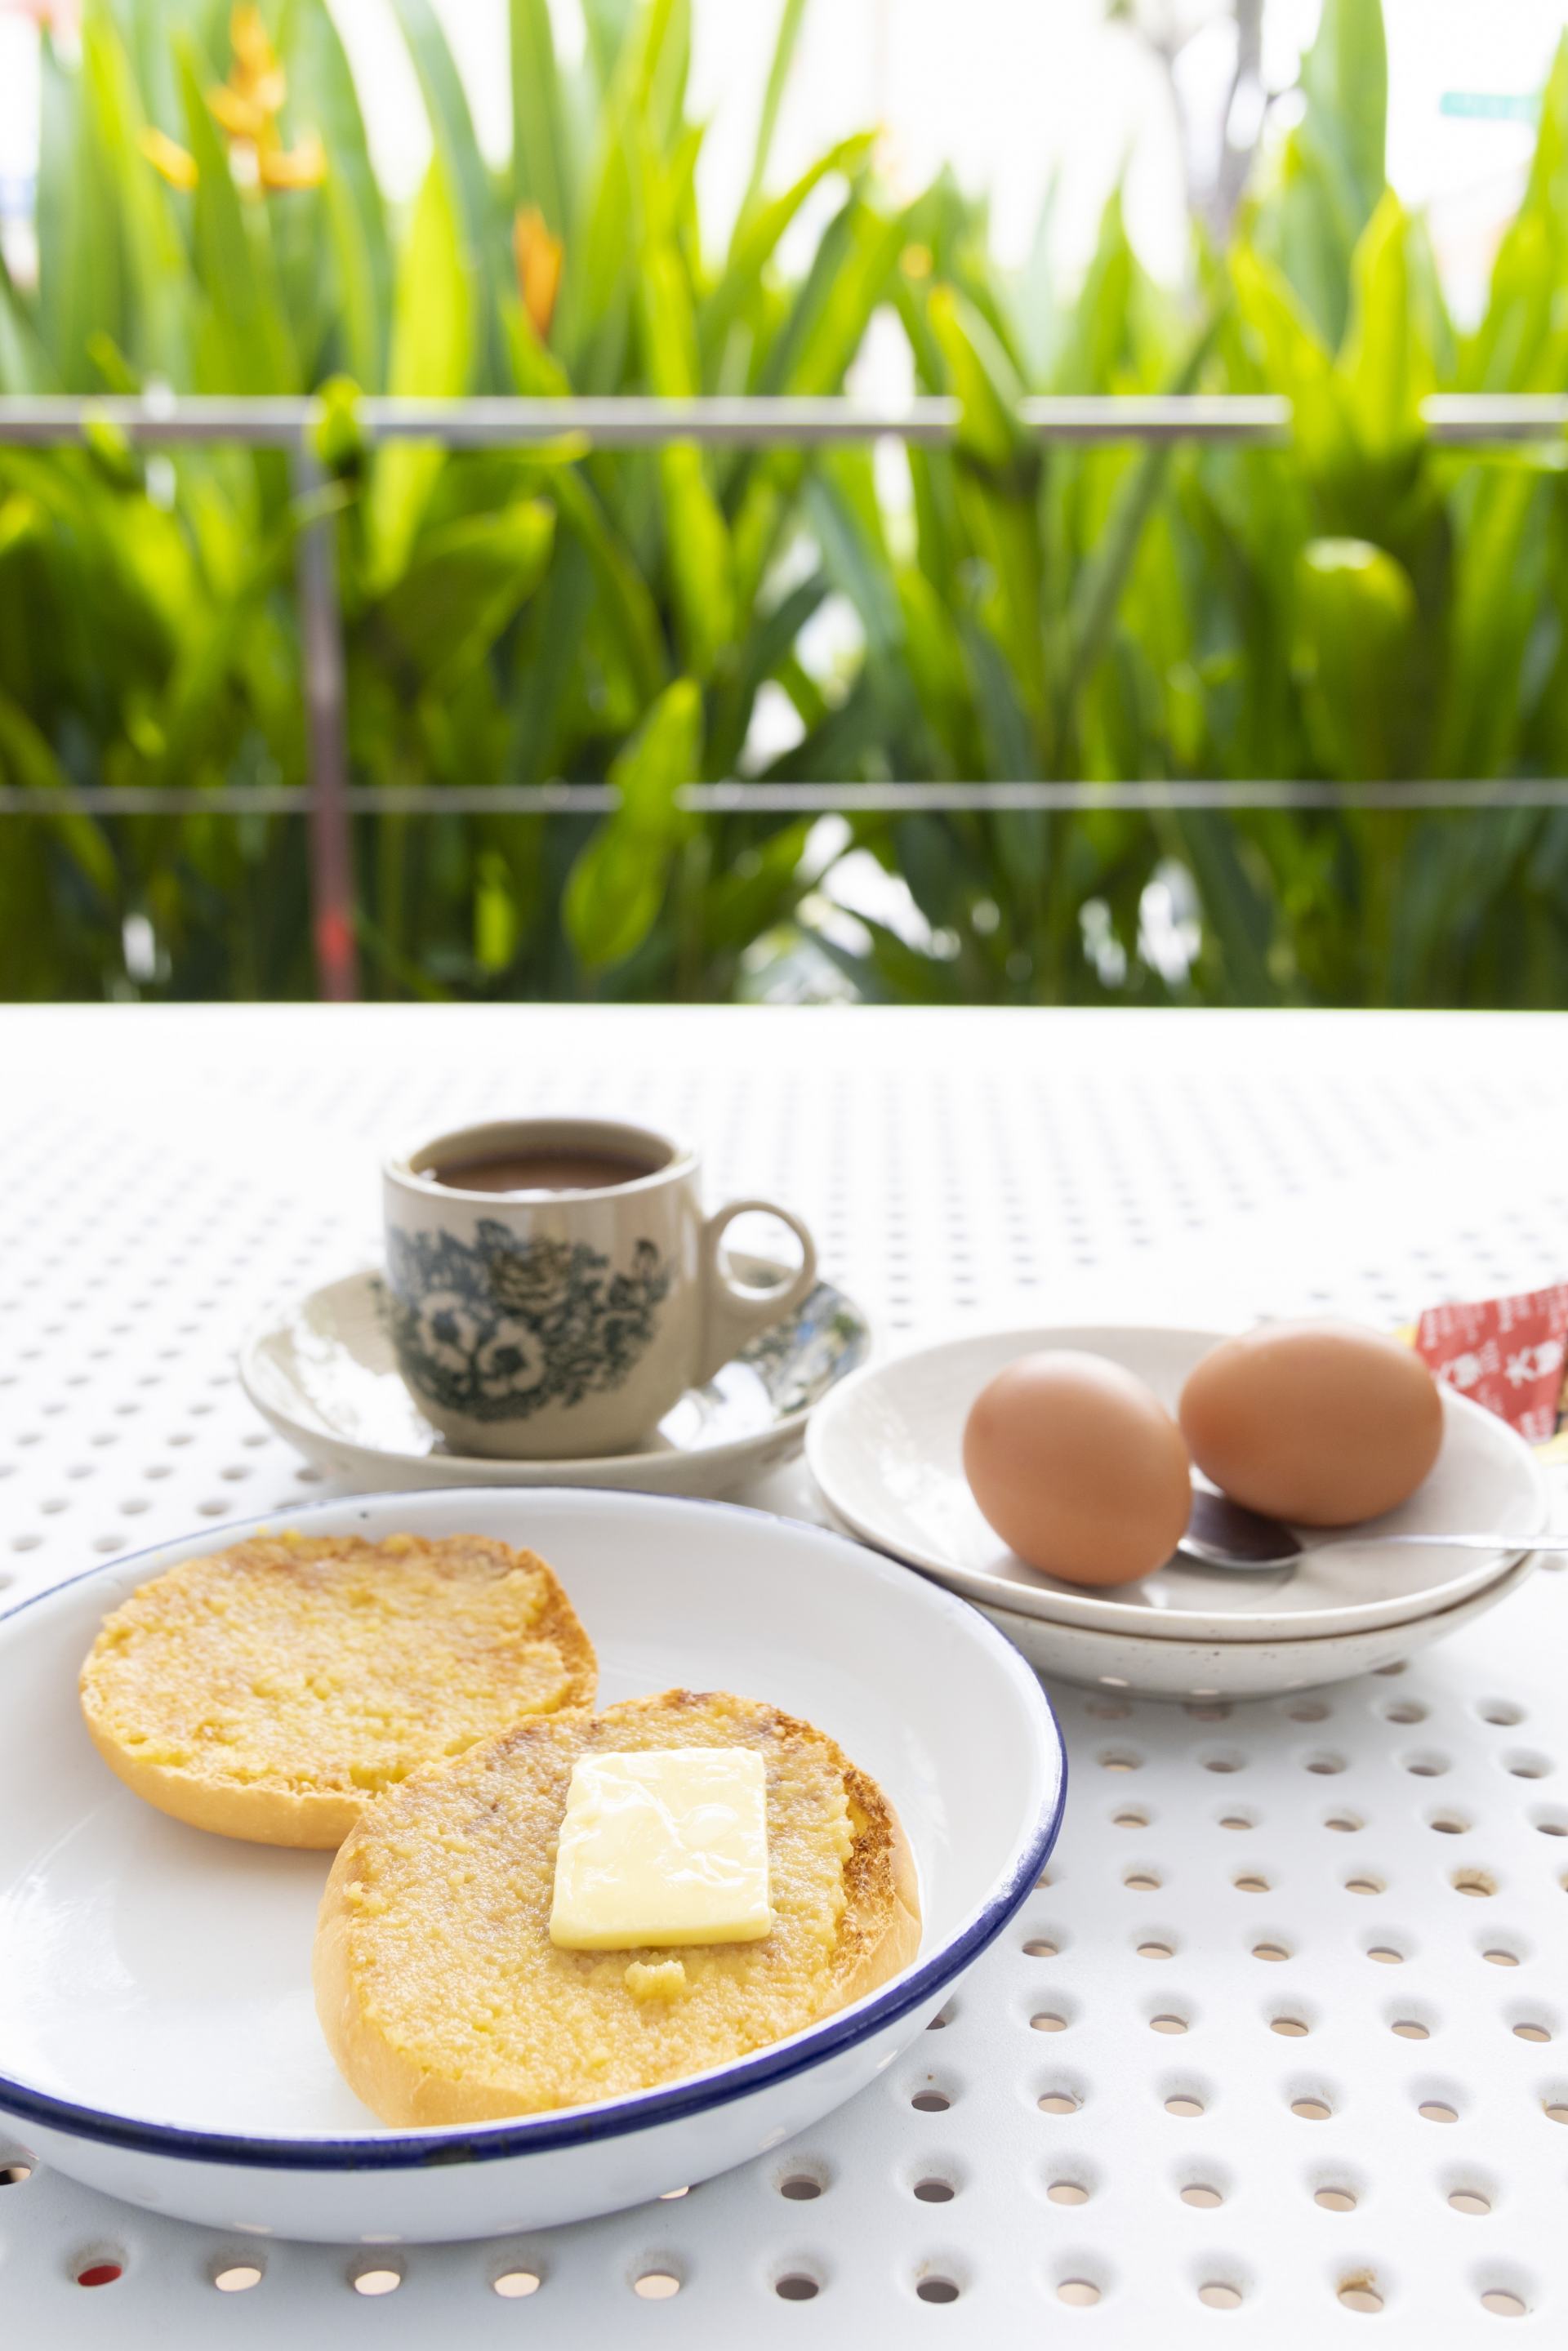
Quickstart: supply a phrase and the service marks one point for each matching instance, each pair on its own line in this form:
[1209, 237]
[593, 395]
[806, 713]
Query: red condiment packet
[1507, 1353]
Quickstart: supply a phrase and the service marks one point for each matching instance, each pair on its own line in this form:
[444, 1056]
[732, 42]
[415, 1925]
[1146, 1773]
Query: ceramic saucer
[886, 1453]
[323, 1375]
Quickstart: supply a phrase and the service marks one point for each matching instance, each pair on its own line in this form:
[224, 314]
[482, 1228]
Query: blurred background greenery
[1362, 607]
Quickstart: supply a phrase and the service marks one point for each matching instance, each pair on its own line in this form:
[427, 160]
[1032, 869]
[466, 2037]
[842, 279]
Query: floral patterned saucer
[325, 1376]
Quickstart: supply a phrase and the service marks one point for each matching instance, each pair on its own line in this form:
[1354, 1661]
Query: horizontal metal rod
[909, 798]
[159, 420]
[744, 798]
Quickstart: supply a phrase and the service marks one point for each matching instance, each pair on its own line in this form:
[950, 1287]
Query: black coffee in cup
[541, 1170]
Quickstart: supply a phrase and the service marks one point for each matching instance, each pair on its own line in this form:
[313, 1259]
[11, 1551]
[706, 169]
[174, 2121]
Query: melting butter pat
[666, 1846]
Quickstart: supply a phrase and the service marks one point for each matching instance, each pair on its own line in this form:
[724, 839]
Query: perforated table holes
[797, 2285]
[1081, 2294]
[237, 2276]
[375, 2280]
[656, 2285]
[516, 2285]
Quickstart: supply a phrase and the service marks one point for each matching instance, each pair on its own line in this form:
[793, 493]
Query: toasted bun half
[442, 1997]
[272, 1690]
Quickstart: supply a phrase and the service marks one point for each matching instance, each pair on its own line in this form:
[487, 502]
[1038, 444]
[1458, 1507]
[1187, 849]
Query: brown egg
[1317, 1422]
[1078, 1467]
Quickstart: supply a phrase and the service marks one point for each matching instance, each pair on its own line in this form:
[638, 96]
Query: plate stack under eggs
[1044, 1473]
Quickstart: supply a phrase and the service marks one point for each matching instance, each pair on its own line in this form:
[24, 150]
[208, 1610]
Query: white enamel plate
[886, 1451]
[158, 2037]
[324, 1375]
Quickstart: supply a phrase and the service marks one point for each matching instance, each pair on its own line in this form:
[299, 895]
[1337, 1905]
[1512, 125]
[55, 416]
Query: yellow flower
[539, 258]
[246, 106]
[170, 161]
[304, 166]
[240, 114]
[254, 57]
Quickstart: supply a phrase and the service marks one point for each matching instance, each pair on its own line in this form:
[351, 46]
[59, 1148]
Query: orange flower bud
[538, 260]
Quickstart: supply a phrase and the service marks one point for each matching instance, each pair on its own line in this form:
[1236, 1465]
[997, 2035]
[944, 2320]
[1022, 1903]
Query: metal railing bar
[161, 420]
[741, 798]
[894, 798]
[1453, 416]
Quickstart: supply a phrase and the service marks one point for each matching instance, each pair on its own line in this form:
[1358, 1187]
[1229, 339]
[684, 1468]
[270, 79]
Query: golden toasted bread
[272, 1690]
[442, 1997]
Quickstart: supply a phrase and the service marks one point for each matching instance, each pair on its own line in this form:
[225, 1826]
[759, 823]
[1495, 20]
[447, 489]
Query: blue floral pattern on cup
[499, 1327]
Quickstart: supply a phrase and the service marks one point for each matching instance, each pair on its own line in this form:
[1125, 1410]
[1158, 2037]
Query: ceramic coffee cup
[553, 1324]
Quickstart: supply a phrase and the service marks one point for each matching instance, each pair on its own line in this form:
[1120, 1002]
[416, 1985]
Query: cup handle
[735, 1310]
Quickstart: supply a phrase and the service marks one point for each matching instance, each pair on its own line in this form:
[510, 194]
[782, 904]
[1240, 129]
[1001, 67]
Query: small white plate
[324, 1375]
[1236, 1669]
[887, 1450]
[158, 2037]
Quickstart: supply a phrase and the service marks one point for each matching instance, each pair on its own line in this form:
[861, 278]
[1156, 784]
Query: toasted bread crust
[377, 2015]
[153, 1720]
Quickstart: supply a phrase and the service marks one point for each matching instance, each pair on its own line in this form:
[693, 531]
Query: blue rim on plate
[545, 2134]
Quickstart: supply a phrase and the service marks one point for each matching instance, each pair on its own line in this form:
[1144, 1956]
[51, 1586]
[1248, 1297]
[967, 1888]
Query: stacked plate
[885, 1448]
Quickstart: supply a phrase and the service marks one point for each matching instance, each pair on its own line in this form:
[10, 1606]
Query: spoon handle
[1200, 1553]
[1459, 1542]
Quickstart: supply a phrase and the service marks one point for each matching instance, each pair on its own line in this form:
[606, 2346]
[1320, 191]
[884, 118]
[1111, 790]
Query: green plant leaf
[25, 365]
[250, 349]
[431, 345]
[1387, 363]
[1331, 173]
[466, 583]
[157, 269]
[995, 478]
[700, 568]
[983, 379]
[78, 228]
[608, 22]
[629, 601]
[840, 500]
[29, 763]
[1239, 919]
[198, 721]
[791, 16]
[1344, 81]
[848, 278]
[325, 100]
[757, 234]
[767, 647]
[1516, 345]
[542, 167]
[1101, 581]
[473, 195]
[617, 885]
[1496, 598]
[696, 537]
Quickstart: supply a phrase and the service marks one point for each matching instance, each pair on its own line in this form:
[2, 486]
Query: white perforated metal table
[1341, 2101]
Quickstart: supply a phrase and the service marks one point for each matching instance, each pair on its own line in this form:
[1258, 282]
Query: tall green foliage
[1360, 608]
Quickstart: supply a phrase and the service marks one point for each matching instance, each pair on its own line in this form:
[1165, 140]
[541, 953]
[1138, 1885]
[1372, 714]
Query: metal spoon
[1223, 1534]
